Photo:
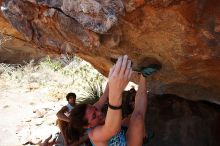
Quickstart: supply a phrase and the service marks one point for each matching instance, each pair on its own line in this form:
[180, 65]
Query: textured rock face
[183, 36]
[13, 47]
[178, 122]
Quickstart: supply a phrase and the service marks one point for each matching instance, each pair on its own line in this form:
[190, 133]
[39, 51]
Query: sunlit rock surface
[182, 35]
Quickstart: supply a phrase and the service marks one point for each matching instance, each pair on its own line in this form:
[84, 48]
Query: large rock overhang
[183, 36]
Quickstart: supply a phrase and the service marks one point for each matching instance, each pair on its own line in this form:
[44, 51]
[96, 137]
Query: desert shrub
[56, 76]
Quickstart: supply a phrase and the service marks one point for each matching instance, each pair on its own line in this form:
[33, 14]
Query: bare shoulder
[90, 133]
[95, 141]
[63, 109]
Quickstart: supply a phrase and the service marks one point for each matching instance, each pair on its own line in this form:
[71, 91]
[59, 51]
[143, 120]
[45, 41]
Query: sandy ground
[29, 96]
[26, 116]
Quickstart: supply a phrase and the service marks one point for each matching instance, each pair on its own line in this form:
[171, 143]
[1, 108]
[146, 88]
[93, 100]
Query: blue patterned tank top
[117, 140]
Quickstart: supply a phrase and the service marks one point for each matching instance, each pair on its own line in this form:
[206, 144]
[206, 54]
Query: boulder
[181, 35]
[179, 122]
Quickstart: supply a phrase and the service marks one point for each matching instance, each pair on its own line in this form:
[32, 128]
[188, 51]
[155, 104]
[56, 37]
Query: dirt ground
[26, 116]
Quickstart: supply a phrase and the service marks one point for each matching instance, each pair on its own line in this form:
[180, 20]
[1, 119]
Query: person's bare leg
[62, 125]
[136, 129]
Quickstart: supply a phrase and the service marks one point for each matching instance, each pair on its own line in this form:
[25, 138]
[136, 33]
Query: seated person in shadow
[63, 118]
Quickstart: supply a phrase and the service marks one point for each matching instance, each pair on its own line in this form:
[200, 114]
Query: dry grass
[56, 77]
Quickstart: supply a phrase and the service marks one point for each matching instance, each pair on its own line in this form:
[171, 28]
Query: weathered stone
[179, 122]
[131, 5]
[93, 15]
[217, 28]
[181, 35]
[96, 16]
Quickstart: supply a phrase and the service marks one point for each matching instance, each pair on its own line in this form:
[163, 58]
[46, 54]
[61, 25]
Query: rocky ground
[27, 117]
[31, 95]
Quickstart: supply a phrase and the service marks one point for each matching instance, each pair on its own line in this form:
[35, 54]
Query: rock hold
[92, 14]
